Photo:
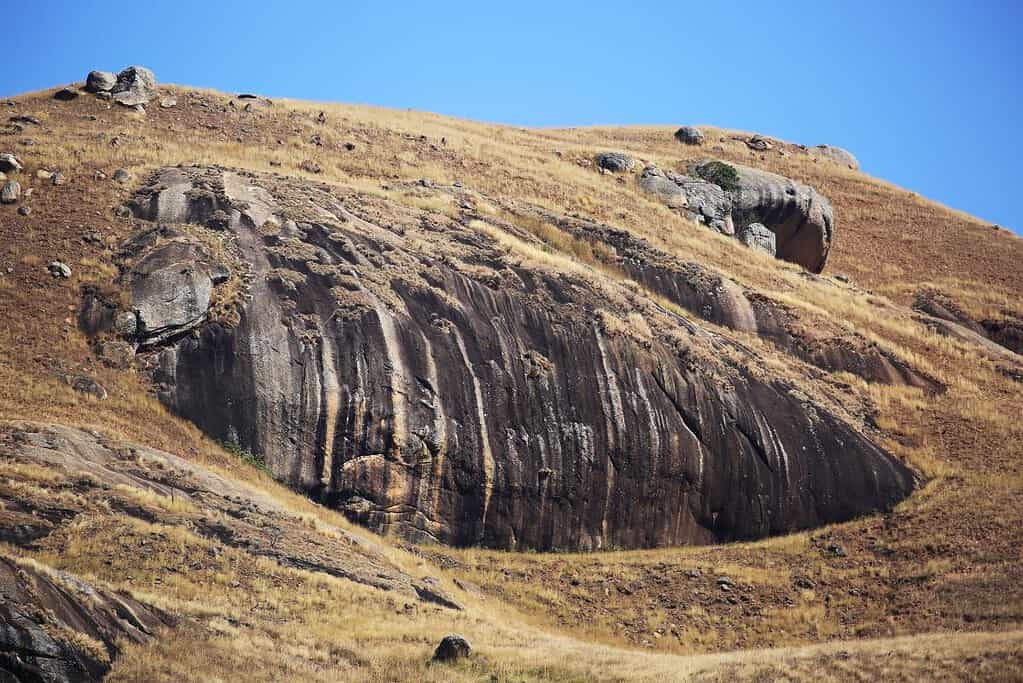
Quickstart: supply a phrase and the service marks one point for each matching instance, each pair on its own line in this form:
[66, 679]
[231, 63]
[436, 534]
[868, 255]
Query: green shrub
[245, 454]
[721, 174]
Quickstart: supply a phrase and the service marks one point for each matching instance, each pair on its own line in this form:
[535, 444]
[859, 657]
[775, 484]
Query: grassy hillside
[937, 581]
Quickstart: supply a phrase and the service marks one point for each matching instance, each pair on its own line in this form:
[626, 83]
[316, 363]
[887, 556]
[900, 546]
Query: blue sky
[926, 94]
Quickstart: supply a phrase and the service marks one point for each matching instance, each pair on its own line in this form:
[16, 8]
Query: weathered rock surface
[946, 317]
[689, 135]
[490, 405]
[800, 218]
[135, 85]
[616, 162]
[757, 236]
[46, 615]
[100, 81]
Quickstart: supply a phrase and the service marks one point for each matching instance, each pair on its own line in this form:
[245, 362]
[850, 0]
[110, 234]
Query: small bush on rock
[721, 174]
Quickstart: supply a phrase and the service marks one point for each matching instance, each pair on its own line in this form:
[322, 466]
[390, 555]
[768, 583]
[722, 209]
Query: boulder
[758, 143]
[10, 192]
[66, 94]
[87, 385]
[310, 166]
[100, 81]
[689, 135]
[616, 162]
[135, 85]
[9, 163]
[59, 269]
[836, 155]
[171, 290]
[799, 217]
[452, 648]
[757, 236]
[122, 175]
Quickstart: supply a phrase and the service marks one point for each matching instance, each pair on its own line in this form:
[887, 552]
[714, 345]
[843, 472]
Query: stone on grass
[10, 192]
[452, 648]
[689, 135]
[100, 81]
[9, 163]
[59, 269]
[616, 162]
[135, 85]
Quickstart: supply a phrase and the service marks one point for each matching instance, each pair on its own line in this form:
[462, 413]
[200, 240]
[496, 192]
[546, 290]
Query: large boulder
[9, 163]
[135, 85]
[171, 290]
[100, 81]
[689, 135]
[369, 371]
[730, 197]
[836, 155]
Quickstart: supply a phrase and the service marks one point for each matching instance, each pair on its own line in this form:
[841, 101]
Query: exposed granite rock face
[41, 609]
[757, 236]
[946, 317]
[836, 155]
[496, 403]
[800, 218]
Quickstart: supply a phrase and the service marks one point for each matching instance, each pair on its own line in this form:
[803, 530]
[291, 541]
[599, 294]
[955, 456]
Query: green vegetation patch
[721, 174]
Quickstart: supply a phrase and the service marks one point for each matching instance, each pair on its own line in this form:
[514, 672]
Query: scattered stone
[122, 176]
[24, 210]
[322, 118]
[452, 648]
[58, 178]
[9, 163]
[140, 108]
[100, 175]
[310, 166]
[100, 81]
[842, 277]
[135, 85]
[59, 269]
[836, 550]
[275, 163]
[168, 102]
[10, 192]
[805, 583]
[758, 236]
[66, 94]
[350, 146]
[43, 174]
[689, 135]
[24, 118]
[616, 162]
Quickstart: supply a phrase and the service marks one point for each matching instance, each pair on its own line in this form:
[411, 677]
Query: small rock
[452, 648]
[804, 583]
[9, 163]
[100, 81]
[350, 146]
[24, 118]
[310, 166]
[322, 118]
[43, 174]
[758, 143]
[24, 210]
[58, 178]
[66, 94]
[841, 277]
[59, 269]
[10, 192]
[121, 175]
[689, 135]
[126, 324]
[836, 550]
[275, 163]
[168, 102]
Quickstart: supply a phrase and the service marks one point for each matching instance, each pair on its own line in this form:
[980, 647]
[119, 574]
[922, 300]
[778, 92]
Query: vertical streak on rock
[655, 434]
[488, 457]
[398, 379]
[618, 415]
[440, 438]
[331, 406]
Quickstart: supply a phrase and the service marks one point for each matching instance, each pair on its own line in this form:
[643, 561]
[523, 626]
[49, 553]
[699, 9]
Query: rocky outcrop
[100, 81]
[496, 403]
[945, 316]
[800, 218]
[56, 627]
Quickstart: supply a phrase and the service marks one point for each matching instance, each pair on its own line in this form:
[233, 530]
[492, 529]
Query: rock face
[135, 85]
[100, 81]
[616, 162]
[689, 135]
[40, 609]
[494, 408]
[800, 218]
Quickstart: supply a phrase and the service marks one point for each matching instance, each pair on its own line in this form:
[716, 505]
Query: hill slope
[930, 388]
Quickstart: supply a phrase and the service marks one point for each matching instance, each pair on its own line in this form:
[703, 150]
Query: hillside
[471, 340]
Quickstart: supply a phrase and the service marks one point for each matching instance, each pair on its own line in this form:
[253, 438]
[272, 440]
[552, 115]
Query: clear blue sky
[926, 94]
